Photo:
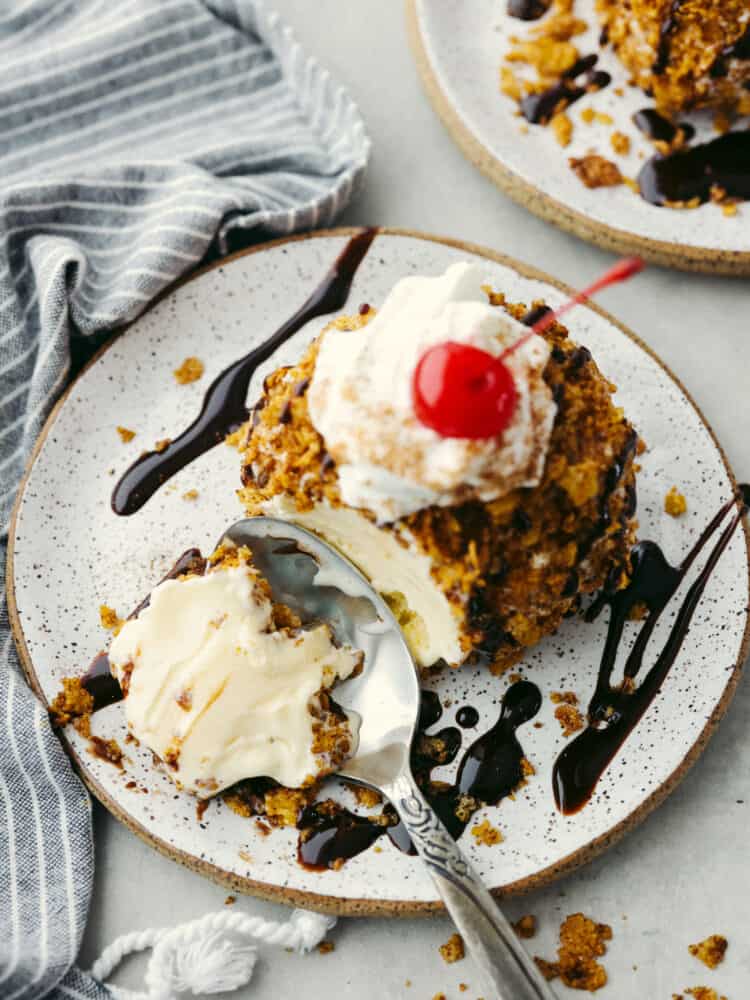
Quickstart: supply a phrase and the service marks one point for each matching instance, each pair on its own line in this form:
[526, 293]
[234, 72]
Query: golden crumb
[486, 834]
[711, 951]
[699, 993]
[562, 126]
[632, 184]
[326, 947]
[125, 434]
[510, 84]
[675, 503]
[582, 941]
[453, 949]
[564, 698]
[729, 208]
[620, 143]
[570, 719]
[230, 901]
[548, 56]
[525, 927]
[190, 495]
[246, 857]
[439, 996]
[527, 768]
[407, 983]
[595, 171]
[589, 116]
[190, 370]
[366, 797]
[162, 444]
[110, 619]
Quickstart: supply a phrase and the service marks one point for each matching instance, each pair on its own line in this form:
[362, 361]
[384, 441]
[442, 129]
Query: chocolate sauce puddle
[490, 769]
[224, 405]
[614, 711]
[723, 162]
[582, 78]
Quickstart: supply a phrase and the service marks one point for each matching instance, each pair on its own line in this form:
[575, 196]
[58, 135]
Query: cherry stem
[620, 271]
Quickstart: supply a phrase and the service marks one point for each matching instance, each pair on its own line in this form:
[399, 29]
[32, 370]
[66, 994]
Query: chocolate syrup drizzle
[614, 711]
[489, 770]
[540, 108]
[528, 10]
[657, 128]
[224, 405]
[723, 162]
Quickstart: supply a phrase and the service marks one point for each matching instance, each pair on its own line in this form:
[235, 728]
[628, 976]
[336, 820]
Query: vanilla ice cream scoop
[221, 694]
[360, 401]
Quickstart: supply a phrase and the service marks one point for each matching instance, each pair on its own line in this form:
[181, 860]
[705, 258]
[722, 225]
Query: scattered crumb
[525, 927]
[589, 116]
[439, 996]
[632, 183]
[247, 858]
[562, 126]
[200, 809]
[162, 444]
[125, 434]
[262, 827]
[377, 849]
[326, 947]
[486, 834]
[510, 85]
[73, 704]
[595, 171]
[515, 678]
[582, 941]
[190, 495]
[675, 503]
[110, 619]
[711, 951]
[569, 718]
[463, 987]
[453, 949]
[729, 208]
[230, 901]
[564, 698]
[190, 370]
[699, 993]
[407, 983]
[527, 768]
[620, 143]
[366, 797]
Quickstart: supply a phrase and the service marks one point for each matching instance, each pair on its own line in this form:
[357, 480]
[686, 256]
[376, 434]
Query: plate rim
[682, 257]
[366, 907]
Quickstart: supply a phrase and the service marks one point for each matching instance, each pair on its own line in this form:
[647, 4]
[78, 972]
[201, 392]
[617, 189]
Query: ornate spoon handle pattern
[507, 970]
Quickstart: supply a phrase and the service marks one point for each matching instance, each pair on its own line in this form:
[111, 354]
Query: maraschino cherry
[461, 391]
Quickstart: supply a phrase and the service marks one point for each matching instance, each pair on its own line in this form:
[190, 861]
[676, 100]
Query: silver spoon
[319, 584]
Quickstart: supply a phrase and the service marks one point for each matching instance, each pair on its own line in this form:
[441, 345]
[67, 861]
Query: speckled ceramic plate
[459, 48]
[70, 554]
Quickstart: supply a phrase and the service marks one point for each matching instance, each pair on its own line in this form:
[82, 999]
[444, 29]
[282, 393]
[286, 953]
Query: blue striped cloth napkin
[134, 137]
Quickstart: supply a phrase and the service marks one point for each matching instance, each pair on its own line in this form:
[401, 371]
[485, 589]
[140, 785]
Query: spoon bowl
[321, 585]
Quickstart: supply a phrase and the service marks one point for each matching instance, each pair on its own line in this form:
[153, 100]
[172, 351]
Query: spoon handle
[503, 962]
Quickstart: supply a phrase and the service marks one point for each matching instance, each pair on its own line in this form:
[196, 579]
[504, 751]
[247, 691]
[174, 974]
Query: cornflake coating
[190, 370]
[453, 949]
[510, 569]
[711, 951]
[681, 51]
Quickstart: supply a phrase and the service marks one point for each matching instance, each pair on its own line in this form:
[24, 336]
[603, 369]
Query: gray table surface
[682, 875]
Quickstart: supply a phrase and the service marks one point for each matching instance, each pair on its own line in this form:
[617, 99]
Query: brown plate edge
[368, 907]
[731, 263]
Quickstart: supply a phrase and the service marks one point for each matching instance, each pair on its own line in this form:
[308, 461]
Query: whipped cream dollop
[360, 401]
[215, 691]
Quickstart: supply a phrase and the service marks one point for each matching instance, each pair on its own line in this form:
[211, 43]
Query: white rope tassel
[214, 954]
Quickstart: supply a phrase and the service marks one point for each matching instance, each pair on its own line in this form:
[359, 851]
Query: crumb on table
[190, 370]
[711, 951]
[486, 834]
[125, 434]
[230, 901]
[675, 503]
[582, 941]
[525, 927]
[453, 949]
[190, 495]
[326, 947]
[595, 171]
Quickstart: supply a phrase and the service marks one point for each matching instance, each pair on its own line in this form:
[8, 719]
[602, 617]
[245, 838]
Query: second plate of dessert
[503, 578]
[539, 94]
